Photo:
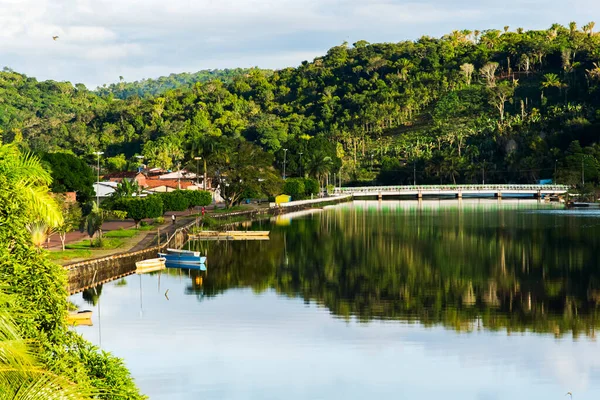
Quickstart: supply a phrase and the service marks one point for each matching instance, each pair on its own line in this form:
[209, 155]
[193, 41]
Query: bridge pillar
[459, 194]
[538, 195]
[380, 196]
[420, 195]
[498, 195]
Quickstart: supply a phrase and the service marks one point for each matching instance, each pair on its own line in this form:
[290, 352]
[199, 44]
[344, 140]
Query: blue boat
[194, 267]
[183, 257]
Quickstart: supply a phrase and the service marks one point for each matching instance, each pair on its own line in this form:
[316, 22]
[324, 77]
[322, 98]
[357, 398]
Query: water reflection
[371, 300]
[510, 265]
[469, 264]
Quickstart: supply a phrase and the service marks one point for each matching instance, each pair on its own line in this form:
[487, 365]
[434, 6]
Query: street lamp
[98, 153]
[284, 160]
[583, 156]
[198, 170]
[415, 173]
[140, 159]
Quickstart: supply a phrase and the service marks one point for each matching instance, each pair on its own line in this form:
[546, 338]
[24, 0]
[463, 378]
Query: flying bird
[54, 38]
[570, 394]
[166, 294]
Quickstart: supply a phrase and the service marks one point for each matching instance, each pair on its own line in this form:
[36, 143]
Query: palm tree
[28, 179]
[40, 232]
[552, 80]
[92, 223]
[319, 166]
[572, 27]
[21, 375]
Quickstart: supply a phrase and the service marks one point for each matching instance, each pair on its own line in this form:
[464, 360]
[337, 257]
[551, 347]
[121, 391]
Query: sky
[101, 40]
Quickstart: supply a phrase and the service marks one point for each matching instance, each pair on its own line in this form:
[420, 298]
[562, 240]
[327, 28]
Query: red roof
[172, 183]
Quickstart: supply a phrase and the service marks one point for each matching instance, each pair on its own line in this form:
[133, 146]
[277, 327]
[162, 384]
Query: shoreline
[93, 271]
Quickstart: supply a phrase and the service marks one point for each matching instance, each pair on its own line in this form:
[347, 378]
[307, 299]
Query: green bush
[294, 187]
[311, 187]
[159, 220]
[37, 288]
[175, 201]
[139, 208]
[198, 198]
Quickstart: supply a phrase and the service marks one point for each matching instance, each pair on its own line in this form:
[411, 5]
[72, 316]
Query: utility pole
[98, 153]
[198, 170]
[284, 160]
[415, 173]
[483, 172]
[582, 173]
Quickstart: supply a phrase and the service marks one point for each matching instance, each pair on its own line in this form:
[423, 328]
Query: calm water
[433, 300]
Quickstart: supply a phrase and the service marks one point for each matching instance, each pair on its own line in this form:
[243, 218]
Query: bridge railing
[454, 188]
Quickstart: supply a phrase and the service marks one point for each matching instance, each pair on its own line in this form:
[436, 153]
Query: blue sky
[101, 40]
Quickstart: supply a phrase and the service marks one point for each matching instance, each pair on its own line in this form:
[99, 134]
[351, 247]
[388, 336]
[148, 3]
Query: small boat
[196, 266]
[151, 265]
[80, 318]
[183, 258]
[194, 253]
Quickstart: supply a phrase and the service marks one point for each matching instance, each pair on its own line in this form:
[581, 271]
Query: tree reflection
[462, 267]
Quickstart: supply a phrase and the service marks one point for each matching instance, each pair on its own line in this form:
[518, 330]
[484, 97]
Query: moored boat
[183, 258]
[183, 265]
[151, 265]
[80, 318]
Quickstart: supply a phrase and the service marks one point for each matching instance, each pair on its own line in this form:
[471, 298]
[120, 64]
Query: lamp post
[140, 158]
[98, 153]
[583, 157]
[301, 164]
[483, 172]
[198, 170]
[284, 160]
[415, 173]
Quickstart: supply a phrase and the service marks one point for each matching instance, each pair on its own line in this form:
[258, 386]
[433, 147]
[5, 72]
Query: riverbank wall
[90, 273]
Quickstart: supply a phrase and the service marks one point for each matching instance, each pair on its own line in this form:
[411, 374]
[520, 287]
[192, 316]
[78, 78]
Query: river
[469, 299]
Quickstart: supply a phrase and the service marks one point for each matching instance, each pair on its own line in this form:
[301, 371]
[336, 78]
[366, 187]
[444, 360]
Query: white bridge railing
[453, 189]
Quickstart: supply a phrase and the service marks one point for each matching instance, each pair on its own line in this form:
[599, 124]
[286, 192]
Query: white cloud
[102, 39]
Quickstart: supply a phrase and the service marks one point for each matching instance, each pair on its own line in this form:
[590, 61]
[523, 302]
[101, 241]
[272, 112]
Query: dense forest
[156, 87]
[471, 106]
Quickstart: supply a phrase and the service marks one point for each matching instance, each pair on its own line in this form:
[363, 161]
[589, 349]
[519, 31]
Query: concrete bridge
[457, 191]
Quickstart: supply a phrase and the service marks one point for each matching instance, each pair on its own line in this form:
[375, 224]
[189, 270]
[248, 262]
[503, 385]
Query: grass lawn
[121, 233]
[68, 254]
[108, 243]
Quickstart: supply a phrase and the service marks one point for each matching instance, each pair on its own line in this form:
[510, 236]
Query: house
[170, 185]
[183, 174]
[104, 190]
[118, 177]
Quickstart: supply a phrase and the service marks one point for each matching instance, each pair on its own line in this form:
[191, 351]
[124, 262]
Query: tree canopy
[430, 110]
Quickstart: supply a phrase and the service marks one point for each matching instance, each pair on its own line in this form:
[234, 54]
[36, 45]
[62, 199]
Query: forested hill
[156, 87]
[513, 105]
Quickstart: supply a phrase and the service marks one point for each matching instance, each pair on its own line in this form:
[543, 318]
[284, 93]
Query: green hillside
[514, 105]
[156, 87]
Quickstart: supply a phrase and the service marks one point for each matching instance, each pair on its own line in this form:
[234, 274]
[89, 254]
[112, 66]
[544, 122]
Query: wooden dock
[231, 235]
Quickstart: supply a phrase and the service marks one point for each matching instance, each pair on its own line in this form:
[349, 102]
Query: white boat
[151, 265]
[186, 252]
